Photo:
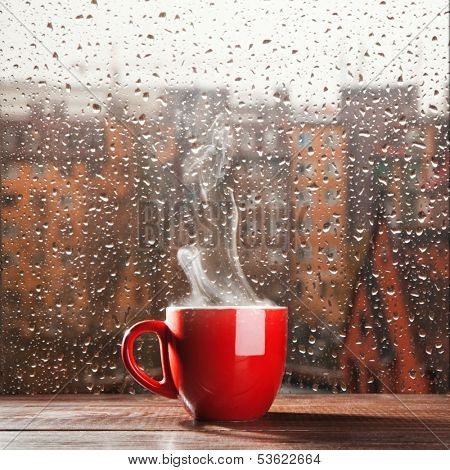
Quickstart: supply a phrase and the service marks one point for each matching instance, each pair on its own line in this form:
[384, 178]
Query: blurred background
[340, 172]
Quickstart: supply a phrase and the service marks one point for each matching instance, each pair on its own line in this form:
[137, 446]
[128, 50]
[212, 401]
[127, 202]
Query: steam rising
[212, 265]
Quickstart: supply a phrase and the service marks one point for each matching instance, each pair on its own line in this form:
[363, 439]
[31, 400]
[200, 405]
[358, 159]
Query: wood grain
[294, 422]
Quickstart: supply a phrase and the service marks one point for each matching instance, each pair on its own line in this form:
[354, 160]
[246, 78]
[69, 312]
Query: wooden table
[294, 422]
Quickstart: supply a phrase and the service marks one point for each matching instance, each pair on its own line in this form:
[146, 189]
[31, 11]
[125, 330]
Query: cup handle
[165, 387]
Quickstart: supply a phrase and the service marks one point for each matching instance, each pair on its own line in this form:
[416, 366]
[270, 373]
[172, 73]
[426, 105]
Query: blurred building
[95, 205]
[388, 114]
[65, 284]
[260, 178]
[399, 160]
[319, 216]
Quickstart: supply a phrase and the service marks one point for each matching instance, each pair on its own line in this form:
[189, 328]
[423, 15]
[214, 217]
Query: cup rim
[225, 307]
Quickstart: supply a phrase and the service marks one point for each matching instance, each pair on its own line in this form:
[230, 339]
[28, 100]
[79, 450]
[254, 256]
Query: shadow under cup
[225, 363]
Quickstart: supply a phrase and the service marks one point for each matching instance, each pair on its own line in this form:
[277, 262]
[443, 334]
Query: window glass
[330, 126]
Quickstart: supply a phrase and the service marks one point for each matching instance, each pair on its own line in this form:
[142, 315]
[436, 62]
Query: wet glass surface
[338, 156]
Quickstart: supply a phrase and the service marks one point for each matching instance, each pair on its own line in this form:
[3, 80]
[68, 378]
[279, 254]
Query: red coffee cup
[225, 363]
